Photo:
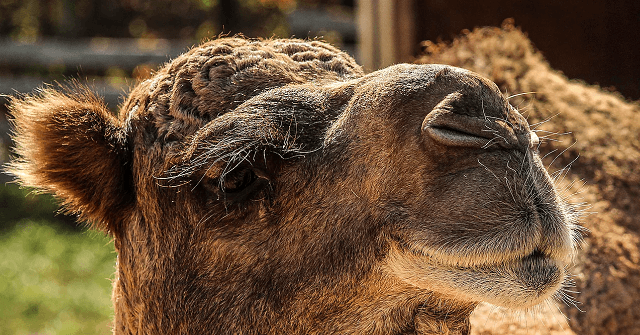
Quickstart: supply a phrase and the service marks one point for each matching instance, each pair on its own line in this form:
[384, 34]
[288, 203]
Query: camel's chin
[521, 283]
[529, 282]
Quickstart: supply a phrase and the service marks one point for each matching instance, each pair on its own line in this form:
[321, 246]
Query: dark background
[597, 41]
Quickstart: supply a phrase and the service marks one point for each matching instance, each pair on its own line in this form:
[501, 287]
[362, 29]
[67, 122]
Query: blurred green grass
[53, 279]
[17, 204]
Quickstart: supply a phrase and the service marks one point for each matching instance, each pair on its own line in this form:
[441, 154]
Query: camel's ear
[70, 145]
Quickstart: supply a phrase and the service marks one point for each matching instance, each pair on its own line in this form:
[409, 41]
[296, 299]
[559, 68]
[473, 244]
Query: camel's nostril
[451, 129]
[461, 120]
[454, 137]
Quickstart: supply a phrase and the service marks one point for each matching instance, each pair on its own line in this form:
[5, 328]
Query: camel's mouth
[519, 283]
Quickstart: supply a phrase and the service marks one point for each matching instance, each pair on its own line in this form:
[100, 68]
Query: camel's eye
[238, 181]
[243, 184]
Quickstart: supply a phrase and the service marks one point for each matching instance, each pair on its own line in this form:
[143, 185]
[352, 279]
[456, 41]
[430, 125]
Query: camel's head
[273, 179]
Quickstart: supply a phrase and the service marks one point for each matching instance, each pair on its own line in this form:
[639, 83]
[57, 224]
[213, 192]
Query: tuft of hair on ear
[69, 144]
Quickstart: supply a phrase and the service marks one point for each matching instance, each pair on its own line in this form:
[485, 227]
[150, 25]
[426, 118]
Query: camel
[272, 187]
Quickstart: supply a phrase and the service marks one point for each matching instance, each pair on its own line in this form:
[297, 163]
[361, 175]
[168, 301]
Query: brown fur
[270, 187]
[604, 132]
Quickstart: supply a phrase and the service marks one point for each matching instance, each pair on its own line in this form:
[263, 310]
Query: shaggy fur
[270, 187]
[604, 132]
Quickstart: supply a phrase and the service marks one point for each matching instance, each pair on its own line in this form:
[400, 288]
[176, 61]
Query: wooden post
[386, 32]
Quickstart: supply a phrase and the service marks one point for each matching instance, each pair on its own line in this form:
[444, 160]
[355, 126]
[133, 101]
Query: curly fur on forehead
[216, 77]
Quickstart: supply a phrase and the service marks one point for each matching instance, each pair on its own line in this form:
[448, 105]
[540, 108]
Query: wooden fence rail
[75, 58]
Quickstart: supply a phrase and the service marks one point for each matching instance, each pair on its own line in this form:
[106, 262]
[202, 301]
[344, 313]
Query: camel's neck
[382, 305]
[357, 308]
[170, 288]
[432, 320]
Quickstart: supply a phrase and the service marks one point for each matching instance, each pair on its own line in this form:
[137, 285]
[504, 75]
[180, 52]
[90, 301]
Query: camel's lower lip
[538, 271]
[518, 283]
